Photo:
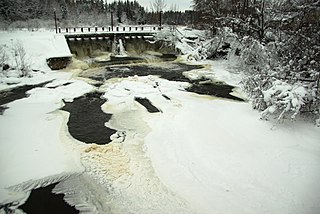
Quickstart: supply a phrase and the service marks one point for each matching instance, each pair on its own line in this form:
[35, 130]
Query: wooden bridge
[109, 32]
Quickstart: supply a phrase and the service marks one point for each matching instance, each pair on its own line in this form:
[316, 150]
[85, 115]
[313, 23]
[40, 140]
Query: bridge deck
[119, 31]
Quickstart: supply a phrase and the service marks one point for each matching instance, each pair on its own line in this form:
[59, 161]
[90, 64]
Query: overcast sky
[181, 4]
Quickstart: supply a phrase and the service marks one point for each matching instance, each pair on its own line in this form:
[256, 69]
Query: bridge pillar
[160, 18]
[55, 20]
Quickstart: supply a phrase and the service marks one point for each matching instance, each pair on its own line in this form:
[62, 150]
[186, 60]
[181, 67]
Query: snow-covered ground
[199, 154]
[39, 46]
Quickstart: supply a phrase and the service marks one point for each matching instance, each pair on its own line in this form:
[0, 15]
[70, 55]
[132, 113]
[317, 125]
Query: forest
[276, 45]
[40, 13]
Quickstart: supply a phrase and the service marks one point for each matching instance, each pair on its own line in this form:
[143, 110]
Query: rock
[57, 63]
[5, 67]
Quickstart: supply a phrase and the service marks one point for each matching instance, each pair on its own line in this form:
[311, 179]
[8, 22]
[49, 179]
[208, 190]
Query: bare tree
[158, 5]
[21, 60]
[174, 7]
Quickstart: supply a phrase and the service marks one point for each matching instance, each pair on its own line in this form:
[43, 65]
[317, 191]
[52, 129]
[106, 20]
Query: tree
[158, 5]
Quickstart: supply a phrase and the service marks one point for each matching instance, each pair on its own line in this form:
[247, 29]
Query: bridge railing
[115, 29]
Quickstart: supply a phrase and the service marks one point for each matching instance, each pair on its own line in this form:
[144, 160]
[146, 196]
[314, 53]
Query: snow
[284, 96]
[218, 70]
[39, 46]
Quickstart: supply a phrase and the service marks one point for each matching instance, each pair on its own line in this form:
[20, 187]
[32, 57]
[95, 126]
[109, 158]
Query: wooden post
[112, 20]
[160, 18]
[55, 20]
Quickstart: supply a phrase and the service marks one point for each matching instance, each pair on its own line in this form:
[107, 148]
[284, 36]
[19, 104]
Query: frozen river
[160, 137]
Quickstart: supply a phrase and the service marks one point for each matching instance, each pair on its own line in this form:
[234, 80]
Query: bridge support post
[112, 20]
[55, 20]
[160, 18]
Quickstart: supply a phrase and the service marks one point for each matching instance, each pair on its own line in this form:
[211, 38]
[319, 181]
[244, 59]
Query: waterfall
[121, 49]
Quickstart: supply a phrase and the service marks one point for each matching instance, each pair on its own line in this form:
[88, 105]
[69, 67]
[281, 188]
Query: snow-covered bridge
[109, 32]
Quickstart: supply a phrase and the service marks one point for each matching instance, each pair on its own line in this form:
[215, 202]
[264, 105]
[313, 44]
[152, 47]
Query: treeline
[277, 44]
[83, 12]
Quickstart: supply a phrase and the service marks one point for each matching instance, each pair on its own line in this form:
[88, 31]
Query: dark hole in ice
[147, 104]
[42, 200]
[165, 96]
[213, 89]
[10, 95]
[168, 57]
[172, 74]
[65, 84]
[87, 120]
[2, 109]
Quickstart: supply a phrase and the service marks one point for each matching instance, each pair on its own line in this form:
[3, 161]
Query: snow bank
[38, 45]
